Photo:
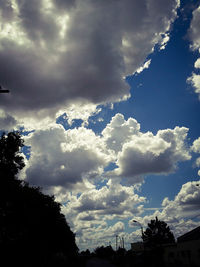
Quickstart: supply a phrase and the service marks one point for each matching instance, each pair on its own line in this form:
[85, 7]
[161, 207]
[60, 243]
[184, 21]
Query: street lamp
[121, 242]
[140, 226]
[141, 232]
[116, 242]
[2, 90]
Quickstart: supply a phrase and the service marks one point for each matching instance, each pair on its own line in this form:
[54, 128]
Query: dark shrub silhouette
[85, 253]
[157, 233]
[33, 231]
[121, 252]
[104, 252]
[10, 160]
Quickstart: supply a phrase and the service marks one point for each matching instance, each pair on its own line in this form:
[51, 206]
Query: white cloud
[60, 157]
[145, 66]
[196, 145]
[197, 63]
[119, 131]
[112, 200]
[88, 213]
[189, 196]
[67, 158]
[62, 53]
[195, 82]
[196, 148]
[70, 164]
[79, 111]
[194, 35]
[194, 29]
[182, 213]
[102, 235]
[7, 122]
[146, 153]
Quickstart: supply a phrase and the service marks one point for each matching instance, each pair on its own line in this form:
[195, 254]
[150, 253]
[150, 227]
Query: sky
[106, 95]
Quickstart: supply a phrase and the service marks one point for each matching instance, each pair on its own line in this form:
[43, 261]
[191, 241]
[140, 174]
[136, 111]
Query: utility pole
[116, 242]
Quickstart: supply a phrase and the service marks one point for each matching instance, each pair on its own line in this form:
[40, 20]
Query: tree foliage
[10, 160]
[157, 233]
[33, 231]
[104, 252]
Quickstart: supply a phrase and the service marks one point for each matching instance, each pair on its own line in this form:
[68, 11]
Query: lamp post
[140, 226]
[116, 242]
[121, 242]
[2, 90]
[141, 232]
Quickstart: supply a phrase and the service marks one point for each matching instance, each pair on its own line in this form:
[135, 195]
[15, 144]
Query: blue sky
[108, 97]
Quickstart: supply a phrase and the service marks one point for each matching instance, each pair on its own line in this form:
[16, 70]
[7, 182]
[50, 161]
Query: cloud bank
[67, 158]
[91, 213]
[58, 53]
[194, 35]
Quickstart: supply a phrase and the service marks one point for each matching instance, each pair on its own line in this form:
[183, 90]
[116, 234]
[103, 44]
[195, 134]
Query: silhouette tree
[157, 233]
[104, 252]
[33, 231]
[85, 253]
[10, 160]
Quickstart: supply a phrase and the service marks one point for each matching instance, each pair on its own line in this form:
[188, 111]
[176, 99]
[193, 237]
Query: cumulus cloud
[194, 35]
[146, 153]
[101, 235]
[60, 157]
[119, 131]
[189, 196]
[196, 145]
[197, 63]
[88, 213]
[59, 53]
[194, 29]
[112, 199]
[196, 148]
[181, 213]
[7, 122]
[74, 164]
[63, 158]
[195, 82]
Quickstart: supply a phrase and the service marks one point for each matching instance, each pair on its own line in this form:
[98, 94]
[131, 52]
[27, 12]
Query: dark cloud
[6, 10]
[64, 4]
[7, 122]
[58, 52]
[87, 218]
[36, 23]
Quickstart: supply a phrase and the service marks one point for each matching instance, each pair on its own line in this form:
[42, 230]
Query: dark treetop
[33, 231]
